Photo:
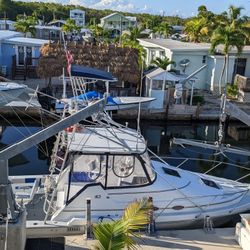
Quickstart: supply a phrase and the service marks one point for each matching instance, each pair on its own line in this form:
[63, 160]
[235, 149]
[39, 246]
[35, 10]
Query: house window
[162, 54]
[204, 59]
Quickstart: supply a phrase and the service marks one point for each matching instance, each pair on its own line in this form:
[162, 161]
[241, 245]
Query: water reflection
[158, 136]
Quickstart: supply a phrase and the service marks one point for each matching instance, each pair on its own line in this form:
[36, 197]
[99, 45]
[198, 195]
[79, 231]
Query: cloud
[119, 5]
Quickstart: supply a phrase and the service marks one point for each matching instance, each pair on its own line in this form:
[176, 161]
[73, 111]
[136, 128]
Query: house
[189, 57]
[165, 87]
[48, 32]
[7, 25]
[78, 16]
[17, 51]
[57, 23]
[118, 23]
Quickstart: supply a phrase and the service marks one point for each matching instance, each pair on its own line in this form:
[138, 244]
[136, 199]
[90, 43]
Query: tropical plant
[229, 33]
[232, 91]
[26, 24]
[97, 30]
[120, 234]
[195, 29]
[163, 29]
[70, 26]
[134, 33]
[163, 62]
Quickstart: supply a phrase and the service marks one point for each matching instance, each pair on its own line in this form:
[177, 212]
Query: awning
[91, 73]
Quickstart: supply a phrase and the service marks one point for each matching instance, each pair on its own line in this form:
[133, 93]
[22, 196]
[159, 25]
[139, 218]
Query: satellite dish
[184, 63]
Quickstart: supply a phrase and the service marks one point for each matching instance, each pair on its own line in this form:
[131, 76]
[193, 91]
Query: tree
[117, 235]
[163, 62]
[195, 29]
[26, 24]
[97, 30]
[163, 29]
[70, 26]
[229, 33]
[132, 34]
[5, 7]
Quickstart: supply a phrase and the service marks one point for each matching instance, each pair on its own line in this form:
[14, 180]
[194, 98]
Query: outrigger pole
[9, 210]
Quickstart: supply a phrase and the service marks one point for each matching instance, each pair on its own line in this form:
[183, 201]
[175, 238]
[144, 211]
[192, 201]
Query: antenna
[184, 63]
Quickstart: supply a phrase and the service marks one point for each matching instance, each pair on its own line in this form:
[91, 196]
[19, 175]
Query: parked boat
[113, 103]
[82, 76]
[9, 91]
[111, 166]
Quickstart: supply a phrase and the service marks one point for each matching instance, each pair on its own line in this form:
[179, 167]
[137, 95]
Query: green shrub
[232, 91]
[198, 99]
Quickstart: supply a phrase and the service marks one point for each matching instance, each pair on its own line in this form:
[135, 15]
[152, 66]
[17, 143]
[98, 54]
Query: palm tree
[163, 29]
[70, 26]
[229, 33]
[26, 24]
[163, 62]
[195, 29]
[117, 235]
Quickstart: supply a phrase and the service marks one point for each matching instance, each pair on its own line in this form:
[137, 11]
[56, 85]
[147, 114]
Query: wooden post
[88, 219]
[151, 224]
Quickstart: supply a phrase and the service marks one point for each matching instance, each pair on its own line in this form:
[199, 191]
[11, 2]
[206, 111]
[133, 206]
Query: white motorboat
[113, 103]
[9, 91]
[111, 166]
[81, 77]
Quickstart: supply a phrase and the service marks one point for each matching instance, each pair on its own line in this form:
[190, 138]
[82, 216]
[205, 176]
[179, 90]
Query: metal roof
[5, 34]
[175, 45]
[26, 41]
[160, 74]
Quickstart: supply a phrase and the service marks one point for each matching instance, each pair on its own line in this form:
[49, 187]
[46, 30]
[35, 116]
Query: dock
[197, 239]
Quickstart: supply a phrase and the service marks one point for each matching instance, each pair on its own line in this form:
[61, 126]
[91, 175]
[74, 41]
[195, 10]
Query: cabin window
[210, 183]
[171, 172]
[127, 171]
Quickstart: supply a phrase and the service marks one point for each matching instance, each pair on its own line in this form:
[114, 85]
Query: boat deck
[198, 239]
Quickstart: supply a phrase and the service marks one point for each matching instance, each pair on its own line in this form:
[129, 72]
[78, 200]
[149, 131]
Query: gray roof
[175, 45]
[5, 34]
[26, 41]
[160, 74]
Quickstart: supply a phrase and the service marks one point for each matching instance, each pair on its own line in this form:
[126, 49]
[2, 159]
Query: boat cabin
[109, 157]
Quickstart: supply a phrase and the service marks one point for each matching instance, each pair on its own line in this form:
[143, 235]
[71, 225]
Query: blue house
[17, 51]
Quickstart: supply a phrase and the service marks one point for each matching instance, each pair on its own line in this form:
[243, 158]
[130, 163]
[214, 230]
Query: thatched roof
[121, 62]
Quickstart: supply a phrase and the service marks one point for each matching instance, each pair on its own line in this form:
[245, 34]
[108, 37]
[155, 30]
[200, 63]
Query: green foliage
[198, 99]
[232, 91]
[26, 24]
[70, 26]
[118, 234]
[163, 62]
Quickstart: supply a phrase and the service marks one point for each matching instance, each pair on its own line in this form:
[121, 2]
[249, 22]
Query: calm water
[158, 134]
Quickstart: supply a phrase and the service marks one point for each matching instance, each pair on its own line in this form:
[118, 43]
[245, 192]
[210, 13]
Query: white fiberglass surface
[102, 140]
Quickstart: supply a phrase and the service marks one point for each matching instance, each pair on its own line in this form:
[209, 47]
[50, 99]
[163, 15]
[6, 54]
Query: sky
[183, 8]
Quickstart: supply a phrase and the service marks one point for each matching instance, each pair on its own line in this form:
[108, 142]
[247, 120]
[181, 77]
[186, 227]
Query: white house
[78, 16]
[118, 23]
[7, 25]
[191, 56]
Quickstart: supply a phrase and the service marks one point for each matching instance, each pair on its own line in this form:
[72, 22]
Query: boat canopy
[101, 140]
[94, 95]
[91, 73]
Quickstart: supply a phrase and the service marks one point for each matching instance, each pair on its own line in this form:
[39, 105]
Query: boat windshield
[112, 170]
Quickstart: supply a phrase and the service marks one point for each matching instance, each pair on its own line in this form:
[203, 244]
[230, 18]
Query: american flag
[70, 60]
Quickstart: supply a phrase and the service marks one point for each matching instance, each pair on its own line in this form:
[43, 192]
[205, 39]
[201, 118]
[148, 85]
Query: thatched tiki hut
[121, 62]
